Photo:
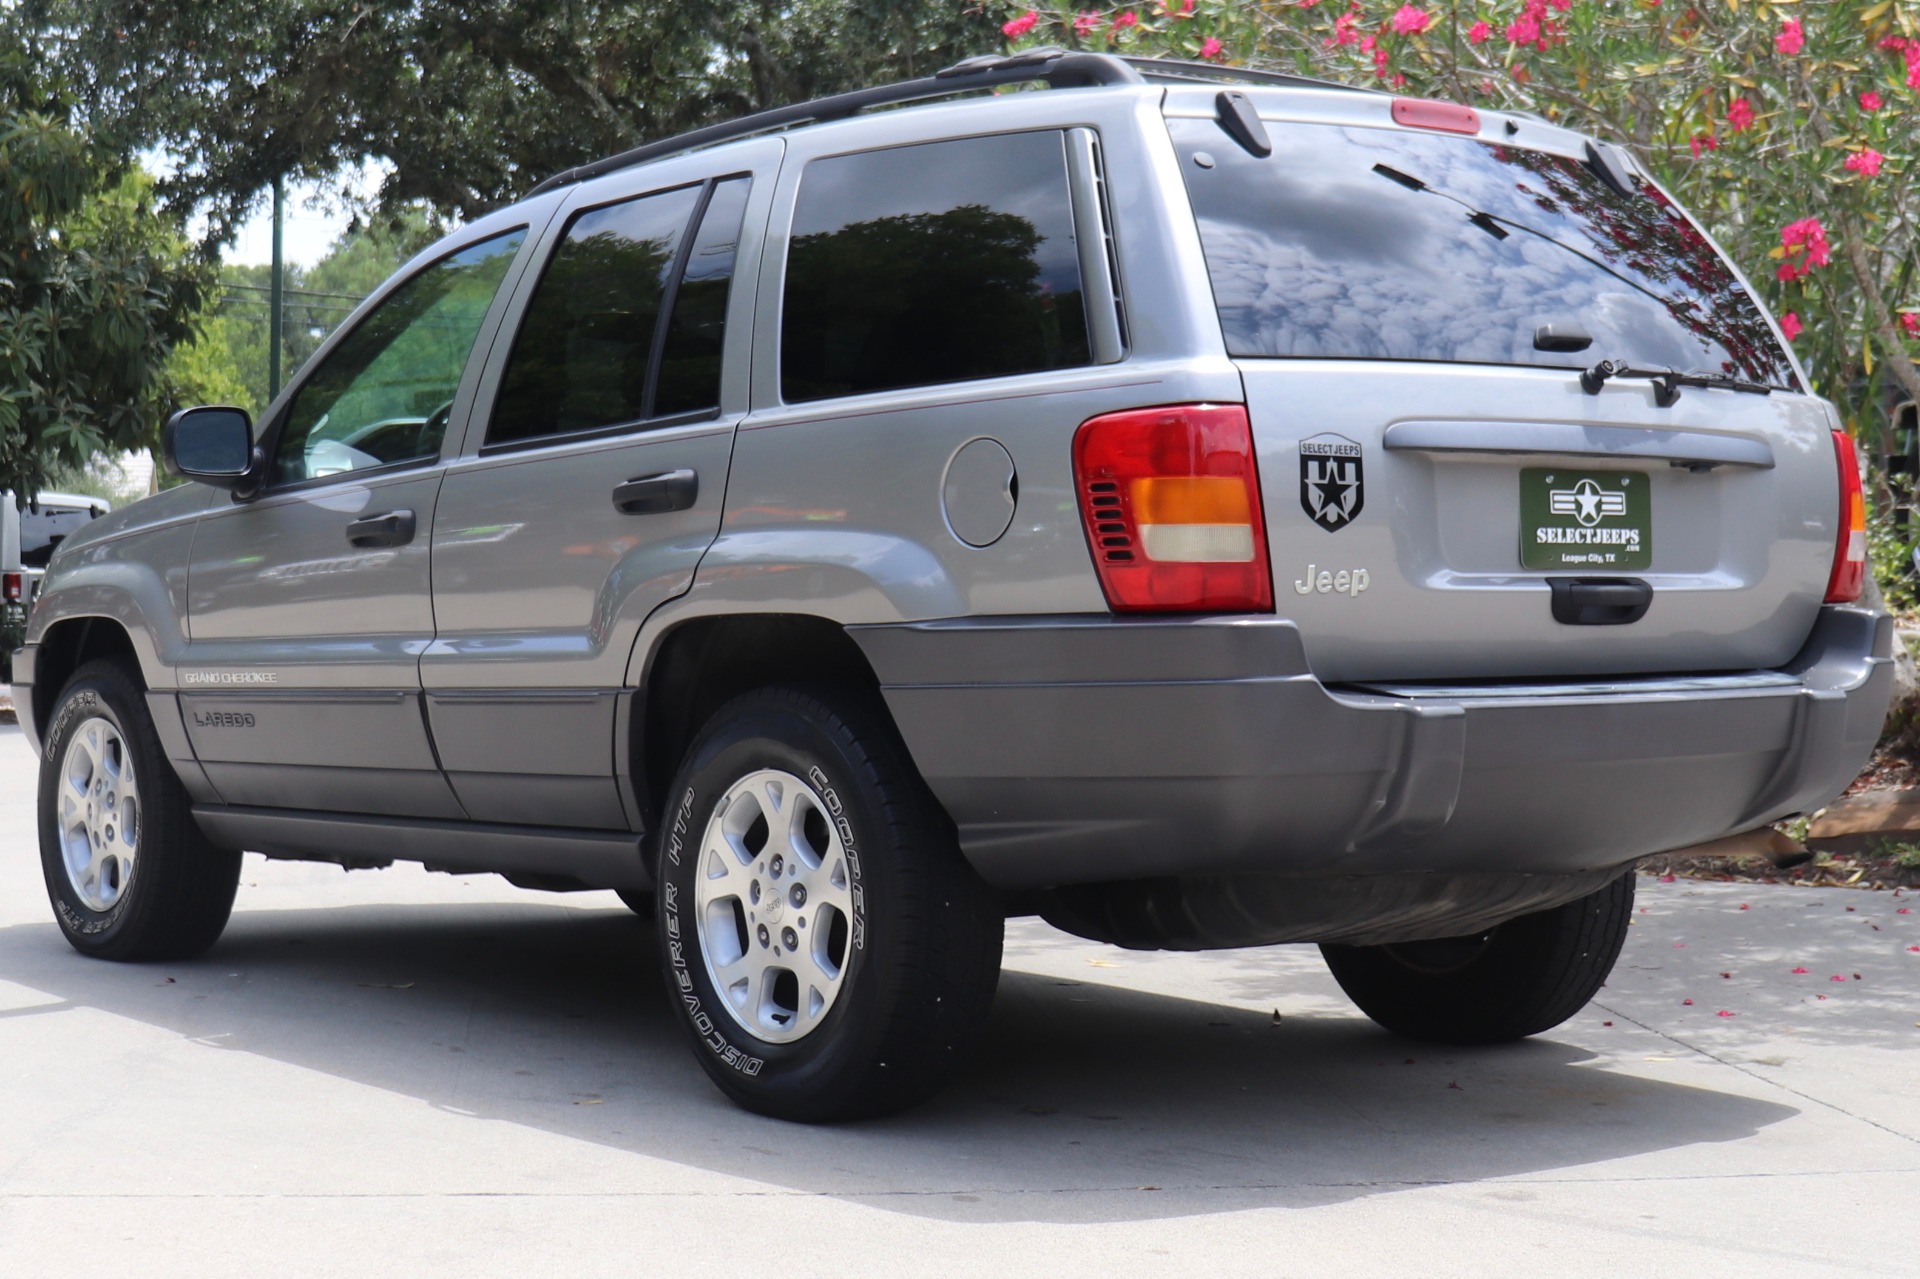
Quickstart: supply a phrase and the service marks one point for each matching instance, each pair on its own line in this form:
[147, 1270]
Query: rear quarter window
[941, 262]
[1370, 243]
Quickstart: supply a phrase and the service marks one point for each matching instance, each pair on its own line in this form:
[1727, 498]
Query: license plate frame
[1578, 520]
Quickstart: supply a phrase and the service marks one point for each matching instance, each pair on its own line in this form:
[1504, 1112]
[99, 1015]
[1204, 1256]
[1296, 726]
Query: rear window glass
[42, 530]
[1395, 245]
[941, 262]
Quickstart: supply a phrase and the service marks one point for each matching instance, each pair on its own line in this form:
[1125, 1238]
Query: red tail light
[1171, 502]
[1849, 576]
[12, 587]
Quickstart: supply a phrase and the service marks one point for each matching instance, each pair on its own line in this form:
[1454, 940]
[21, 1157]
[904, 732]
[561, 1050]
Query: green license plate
[1587, 521]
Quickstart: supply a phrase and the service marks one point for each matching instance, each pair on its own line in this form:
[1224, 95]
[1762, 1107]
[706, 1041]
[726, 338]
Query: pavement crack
[1755, 1075]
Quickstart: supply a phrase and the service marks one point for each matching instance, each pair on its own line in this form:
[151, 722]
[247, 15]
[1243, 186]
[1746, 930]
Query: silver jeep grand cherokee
[1203, 509]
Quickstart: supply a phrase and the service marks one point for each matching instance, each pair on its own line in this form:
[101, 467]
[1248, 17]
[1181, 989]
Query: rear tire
[828, 949]
[127, 869]
[1517, 979]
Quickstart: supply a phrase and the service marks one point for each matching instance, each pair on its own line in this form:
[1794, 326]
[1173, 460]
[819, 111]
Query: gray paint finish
[1076, 752]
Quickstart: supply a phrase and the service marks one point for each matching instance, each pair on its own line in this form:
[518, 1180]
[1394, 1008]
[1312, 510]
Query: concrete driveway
[397, 1073]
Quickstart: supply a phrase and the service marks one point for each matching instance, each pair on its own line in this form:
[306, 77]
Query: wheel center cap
[771, 908]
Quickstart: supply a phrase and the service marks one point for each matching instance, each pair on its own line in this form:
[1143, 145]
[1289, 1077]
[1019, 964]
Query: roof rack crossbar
[1161, 69]
[1051, 65]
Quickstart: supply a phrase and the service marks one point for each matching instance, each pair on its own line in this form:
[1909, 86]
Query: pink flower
[1792, 37]
[1086, 23]
[1870, 101]
[1211, 48]
[1399, 81]
[1366, 45]
[1790, 325]
[1740, 115]
[1799, 970]
[1524, 29]
[1865, 161]
[1687, 1002]
[1724, 1013]
[1343, 32]
[1808, 236]
[1380, 63]
[1021, 25]
[1127, 19]
[1911, 323]
[1409, 20]
[1703, 142]
[1561, 5]
[1479, 33]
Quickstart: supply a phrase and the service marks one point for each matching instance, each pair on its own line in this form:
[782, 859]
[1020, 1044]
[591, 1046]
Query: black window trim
[268, 440]
[669, 298]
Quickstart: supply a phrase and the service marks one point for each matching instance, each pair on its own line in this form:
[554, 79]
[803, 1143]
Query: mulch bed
[1878, 869]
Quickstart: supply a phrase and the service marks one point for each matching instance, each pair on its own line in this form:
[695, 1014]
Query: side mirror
[212, 444]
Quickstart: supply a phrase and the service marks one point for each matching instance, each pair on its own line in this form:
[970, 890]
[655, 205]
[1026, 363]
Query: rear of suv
[1201, 509]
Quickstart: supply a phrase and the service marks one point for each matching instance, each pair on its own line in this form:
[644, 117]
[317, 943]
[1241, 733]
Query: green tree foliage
[95, 289]
[471, 101]
[229, 359]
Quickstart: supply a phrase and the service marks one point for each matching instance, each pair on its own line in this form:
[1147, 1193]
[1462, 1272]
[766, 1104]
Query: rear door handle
[1599, 601]
[393, 528]
[657, 494]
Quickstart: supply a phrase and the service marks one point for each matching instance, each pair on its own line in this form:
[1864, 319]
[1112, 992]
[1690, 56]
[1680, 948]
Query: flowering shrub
[1787, 126]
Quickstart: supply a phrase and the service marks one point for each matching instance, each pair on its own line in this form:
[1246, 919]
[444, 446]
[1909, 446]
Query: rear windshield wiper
[1666, 382]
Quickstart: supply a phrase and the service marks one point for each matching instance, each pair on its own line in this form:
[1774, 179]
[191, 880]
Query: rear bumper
[1092, 750]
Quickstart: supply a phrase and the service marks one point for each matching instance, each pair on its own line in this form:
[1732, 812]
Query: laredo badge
[1331, 485]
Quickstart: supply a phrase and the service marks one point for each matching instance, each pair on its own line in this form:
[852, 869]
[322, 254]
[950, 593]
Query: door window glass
[586, 346]
[383, 395]
[941, 262]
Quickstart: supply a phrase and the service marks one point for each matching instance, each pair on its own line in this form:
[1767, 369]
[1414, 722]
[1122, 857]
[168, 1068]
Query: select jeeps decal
[1332, 488]
[1585, 519]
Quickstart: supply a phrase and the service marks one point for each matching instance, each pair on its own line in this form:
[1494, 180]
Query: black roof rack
[1173, 70]
[1051, 65]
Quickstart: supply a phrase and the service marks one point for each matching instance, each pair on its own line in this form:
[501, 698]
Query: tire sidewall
[744, 1065]
[89, 697]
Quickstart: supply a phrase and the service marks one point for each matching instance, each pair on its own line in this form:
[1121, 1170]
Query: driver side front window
[382, 396]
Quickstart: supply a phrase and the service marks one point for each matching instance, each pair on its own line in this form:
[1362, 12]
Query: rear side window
[942, 262]
[1399, 245]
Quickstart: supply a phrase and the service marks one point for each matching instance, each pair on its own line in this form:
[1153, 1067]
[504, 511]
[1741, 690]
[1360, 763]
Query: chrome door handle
[657, 494]
[392, 528]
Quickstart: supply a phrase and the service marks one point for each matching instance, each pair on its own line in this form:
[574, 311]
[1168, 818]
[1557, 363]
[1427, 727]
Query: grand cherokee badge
[1331, 490]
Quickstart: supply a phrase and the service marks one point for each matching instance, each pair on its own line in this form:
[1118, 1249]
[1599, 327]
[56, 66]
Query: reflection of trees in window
[1652, 243]
[581, 361]
[585, 345]
[921, 298]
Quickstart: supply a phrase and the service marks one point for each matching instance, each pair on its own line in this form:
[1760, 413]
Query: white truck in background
[29, 532]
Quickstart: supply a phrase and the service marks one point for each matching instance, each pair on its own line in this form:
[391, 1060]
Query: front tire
[826, 945]
[1517, 979]
[128, 872]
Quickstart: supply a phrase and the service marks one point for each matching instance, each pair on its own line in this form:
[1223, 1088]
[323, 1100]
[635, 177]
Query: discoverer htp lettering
[744, 1062]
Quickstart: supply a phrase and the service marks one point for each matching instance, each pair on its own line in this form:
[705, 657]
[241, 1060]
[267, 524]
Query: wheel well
[70, 644]
[702, 664]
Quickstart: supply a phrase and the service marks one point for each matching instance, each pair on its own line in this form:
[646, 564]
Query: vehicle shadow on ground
[556, 1018]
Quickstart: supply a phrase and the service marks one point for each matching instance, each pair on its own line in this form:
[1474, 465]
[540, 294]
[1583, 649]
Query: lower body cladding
[1189, 784]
